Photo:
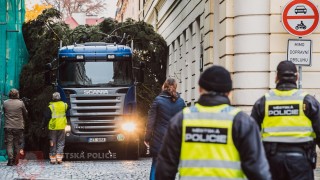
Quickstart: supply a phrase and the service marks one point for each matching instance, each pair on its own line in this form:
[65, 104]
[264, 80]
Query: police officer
[56, 122]
[212, 140]
[289, 120]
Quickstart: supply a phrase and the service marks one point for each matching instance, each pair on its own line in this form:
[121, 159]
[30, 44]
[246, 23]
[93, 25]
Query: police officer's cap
[286, 69]
[217, 79]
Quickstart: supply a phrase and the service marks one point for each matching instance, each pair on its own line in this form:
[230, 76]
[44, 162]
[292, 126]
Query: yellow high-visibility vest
[284, 119]
[207, 149]
[58, 119]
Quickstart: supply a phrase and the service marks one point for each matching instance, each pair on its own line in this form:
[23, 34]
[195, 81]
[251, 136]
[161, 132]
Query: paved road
[317, 171]
[317, 174]
[111, 170]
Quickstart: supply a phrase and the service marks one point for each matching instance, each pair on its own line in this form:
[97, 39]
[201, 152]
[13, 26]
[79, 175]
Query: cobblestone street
[111, 170]
[317, 171]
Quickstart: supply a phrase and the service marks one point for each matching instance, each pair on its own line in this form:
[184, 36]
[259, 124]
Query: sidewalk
[317, 170]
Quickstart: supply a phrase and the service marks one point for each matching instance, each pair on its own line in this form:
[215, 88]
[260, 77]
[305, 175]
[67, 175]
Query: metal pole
[300, 78]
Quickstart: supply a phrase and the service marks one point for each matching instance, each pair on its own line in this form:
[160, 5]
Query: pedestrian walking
[212, 140]
[56, 121]
[14, 112]
[163, 108]
[289, 121]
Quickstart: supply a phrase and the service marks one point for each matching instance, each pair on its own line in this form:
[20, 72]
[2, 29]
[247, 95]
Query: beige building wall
[132, 10]
[245, 36]
[127, 9]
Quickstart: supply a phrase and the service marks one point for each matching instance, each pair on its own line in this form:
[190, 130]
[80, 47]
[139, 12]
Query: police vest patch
[284, 110]
[206, 135]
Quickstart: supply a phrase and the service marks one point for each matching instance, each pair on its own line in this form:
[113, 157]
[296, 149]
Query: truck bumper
[121, 137]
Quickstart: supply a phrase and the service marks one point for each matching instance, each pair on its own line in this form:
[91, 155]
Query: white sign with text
[300, 51]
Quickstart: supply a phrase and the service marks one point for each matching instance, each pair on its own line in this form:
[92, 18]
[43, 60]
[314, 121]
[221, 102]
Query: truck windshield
[95, 74]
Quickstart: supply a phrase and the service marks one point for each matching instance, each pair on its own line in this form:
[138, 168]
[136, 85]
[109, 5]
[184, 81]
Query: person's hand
[147, 143]
[148, 146]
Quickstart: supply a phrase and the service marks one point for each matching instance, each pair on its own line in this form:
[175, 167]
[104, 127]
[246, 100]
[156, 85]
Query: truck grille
[95, 114]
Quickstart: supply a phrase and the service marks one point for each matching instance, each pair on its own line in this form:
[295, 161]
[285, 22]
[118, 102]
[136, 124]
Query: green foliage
[108, 25]
[150, 48]
[42, 37]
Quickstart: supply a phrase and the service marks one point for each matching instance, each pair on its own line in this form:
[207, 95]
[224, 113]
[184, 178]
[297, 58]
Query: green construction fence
[13, 54]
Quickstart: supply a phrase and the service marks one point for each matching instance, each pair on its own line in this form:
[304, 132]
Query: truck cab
[97, 82]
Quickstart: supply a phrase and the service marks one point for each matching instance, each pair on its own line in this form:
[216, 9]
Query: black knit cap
[286, 69]
[217, 79]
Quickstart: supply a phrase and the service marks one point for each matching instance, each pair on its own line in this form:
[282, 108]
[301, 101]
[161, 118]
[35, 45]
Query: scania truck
[98, 82]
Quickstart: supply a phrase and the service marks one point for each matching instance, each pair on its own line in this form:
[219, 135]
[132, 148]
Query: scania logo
[95, 92]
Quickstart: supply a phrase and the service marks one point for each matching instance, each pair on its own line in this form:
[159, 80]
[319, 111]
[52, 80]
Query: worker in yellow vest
[212, 140]
[289, 120]
[56, 122]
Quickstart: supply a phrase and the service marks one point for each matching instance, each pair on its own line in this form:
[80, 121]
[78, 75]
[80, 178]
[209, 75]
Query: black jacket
[245, 134]
[161, 111]
[311, 109]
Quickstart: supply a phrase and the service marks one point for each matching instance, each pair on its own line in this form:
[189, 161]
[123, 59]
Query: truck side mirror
[141, 76]
[142, 65]
[47, 78]
[48, 67]
[141, 72]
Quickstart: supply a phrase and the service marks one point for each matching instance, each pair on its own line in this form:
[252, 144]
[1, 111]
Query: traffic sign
[300, 17]
[300, 51]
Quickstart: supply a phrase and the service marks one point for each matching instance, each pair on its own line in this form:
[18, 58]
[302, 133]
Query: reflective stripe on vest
[210, 164]
[207, 149]
[207, 178]
[284, 119]
[58, 119]
[54, 113]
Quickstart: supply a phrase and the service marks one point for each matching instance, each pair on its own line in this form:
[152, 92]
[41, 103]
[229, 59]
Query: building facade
[127, 9]
[246, 37]
[77, 19]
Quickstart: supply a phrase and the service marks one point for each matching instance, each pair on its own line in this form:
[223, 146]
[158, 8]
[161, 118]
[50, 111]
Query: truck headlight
[67, 128]
[129, 126]
[111, 56]
[80, 57]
